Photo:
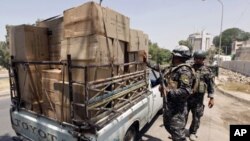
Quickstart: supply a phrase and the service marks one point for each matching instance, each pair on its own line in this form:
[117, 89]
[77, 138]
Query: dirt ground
[233, 86]
[231, 81]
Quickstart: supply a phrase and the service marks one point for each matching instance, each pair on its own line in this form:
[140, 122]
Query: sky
[165, 21]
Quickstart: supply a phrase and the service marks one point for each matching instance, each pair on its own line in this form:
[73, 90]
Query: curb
[232, 96]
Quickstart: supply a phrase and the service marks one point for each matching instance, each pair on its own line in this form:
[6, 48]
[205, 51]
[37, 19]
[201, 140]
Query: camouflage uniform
[180, 80]
[195, 101]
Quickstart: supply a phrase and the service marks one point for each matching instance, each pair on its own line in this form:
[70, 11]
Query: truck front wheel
[131, 134]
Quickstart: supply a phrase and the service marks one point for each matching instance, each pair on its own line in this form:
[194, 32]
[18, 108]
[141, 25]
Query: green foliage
[159, 55]
[216, 41]
[4, 55]
[228, 36]
[186, 43]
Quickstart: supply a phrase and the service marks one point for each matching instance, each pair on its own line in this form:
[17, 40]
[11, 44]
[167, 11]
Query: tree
[159, 55]
[186, 43]
[4, 55]
[228, 36]
[163, 56]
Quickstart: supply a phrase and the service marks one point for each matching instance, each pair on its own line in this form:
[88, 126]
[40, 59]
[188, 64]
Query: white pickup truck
[122, 125]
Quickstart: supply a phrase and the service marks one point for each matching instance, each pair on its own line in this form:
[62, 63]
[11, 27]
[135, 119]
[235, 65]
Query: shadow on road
[6, 137]
[146, 128]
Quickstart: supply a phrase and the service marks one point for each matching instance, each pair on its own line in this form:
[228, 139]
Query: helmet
[182, 51]
[200, 54]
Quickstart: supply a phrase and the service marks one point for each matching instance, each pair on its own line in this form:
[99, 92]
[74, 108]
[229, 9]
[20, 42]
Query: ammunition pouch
[202, 87]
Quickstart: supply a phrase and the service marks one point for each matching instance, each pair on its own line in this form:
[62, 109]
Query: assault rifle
[163, 84]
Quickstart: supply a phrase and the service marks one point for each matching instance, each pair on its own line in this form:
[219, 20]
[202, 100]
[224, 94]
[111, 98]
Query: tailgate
[39, 128]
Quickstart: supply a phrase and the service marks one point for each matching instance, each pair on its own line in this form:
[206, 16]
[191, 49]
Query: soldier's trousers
[175, 125]
[197, 111]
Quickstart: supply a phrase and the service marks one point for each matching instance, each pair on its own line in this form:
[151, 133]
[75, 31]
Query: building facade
[241, 50]
[200, 41]
[240, 44]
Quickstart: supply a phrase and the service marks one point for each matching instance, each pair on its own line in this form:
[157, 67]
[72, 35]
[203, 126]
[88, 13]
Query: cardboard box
[30, 85]
[95, 48]
[134, 41]
[78, 48]
[116, 24]
[90, 18]
[52, 74]
[49, 93]
[78, 97]
[55, 52]
[78, 91]
[55, 55]
[138, 41]
[83, 20]
[48, 84]
[52, 97]
[136, 57]
[146, 42]
[119, 51]
[35, 107]
[28, 43]
[93, 73]
[141, 40]
[55, 27]
[58, 112]
[57, 102]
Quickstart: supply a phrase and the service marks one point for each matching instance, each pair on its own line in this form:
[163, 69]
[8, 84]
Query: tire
[131, 134]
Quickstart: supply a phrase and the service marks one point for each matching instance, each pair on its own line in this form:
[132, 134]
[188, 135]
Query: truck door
[157, 102]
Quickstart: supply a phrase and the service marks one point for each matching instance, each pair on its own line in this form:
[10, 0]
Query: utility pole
[221, 24]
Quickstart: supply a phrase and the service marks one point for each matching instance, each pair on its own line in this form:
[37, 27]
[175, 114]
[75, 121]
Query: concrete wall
[242, 67]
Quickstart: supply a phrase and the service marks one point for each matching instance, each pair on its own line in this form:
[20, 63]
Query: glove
[211, 103]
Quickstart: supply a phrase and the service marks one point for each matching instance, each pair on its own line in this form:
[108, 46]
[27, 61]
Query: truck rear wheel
[131, 134]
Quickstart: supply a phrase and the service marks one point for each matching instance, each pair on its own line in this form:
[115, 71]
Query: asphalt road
[214, 127]
[6, 131]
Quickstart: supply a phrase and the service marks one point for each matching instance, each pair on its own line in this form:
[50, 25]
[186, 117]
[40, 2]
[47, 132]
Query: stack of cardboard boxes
[29, 43]
[138, 44]
[55, 37]
[92, 35]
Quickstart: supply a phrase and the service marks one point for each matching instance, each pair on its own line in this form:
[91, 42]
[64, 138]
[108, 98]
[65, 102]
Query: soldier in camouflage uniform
[204, 83]
[179, 78]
